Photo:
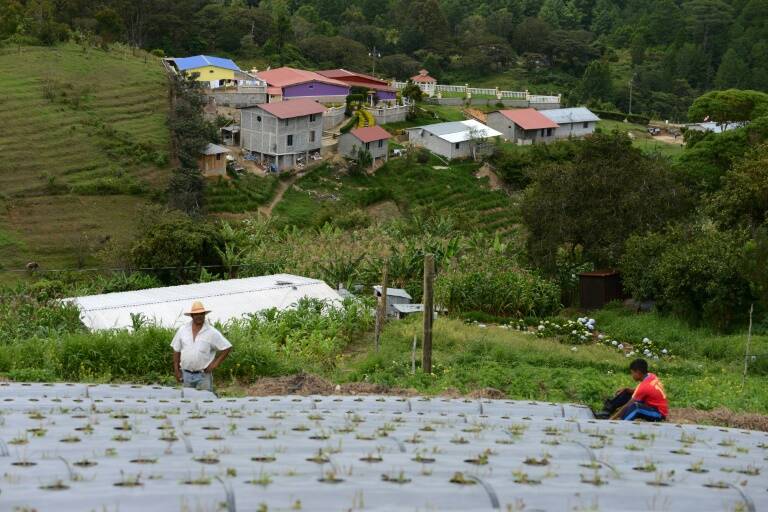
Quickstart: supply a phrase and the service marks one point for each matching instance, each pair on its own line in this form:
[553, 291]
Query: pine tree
[733, 72]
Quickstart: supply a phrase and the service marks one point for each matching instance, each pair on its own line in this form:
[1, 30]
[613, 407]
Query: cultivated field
[84, 142]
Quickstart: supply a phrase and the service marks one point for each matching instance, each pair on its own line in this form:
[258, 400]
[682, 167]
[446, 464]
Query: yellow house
[214, 70]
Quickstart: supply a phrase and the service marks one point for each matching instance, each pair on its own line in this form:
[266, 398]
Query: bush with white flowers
[583, 330]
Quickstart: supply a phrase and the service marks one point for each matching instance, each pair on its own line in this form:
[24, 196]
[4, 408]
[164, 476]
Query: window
[367, 145]
[549, 132]
[312, 118]
[211, 71]
[258, 119]
[381, 143]
[311, 86]
[218, 156]
[458, 144]
[290, 140]
[311, 136]
[585, 125]
[543, 131]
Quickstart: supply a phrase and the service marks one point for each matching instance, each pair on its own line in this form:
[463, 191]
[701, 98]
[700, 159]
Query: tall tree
[733, 72]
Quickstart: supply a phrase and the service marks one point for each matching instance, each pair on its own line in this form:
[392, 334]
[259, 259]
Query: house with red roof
[523, 126]
[290, 83]
[381, 89]
[375, 139]
[282, 135]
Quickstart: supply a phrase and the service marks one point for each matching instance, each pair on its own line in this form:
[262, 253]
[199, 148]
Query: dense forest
[593, 51]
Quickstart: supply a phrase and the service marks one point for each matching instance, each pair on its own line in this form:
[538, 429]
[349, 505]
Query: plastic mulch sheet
[108, 448]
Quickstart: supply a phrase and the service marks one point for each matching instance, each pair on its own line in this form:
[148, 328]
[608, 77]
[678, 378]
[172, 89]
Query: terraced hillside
[83, 144]
[397, 188]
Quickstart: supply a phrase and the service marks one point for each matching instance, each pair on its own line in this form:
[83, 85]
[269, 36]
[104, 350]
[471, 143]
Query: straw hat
[197, 309]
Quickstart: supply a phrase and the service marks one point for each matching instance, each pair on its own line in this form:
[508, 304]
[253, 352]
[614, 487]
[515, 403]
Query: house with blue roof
[216, 71]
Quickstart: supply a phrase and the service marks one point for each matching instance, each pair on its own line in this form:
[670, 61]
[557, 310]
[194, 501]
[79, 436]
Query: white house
[572, 122]
[456, 139]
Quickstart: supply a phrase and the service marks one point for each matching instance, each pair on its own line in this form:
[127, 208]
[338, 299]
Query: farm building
[572, 122]
[381, 88]
[456, 139]
[214, 71]
[373, 138]
[282, 135]
[290, 83]
[227, 300]
[395, 296]
[523, 126]
[213, 161]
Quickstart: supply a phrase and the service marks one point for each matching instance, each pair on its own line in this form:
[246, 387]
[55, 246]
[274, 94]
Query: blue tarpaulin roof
[198, 61]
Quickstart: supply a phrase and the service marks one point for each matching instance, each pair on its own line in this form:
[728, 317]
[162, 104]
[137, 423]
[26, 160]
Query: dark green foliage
[609, 191]
[694, 272]
[175, 245]
[730, 106]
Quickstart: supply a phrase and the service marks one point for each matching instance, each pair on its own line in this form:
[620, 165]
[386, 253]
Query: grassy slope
[642, 139]
[106, 104]
[454, 192]
[467, 357]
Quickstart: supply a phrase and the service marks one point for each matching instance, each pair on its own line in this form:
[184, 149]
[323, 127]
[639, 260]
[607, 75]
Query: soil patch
[494, 182]
[307, 384]
[720, 417]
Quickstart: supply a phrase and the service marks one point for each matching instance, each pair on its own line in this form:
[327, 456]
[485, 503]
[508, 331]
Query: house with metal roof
[456, 139]
[375, 139]
[523, 126]
[380, 89]
[213, 160]
[395, 297]
[282, 135]
[572, 122]
[215, 71]
[291, 83]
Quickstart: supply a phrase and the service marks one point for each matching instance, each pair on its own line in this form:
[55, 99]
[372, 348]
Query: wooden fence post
[428, 300]
[381, 310]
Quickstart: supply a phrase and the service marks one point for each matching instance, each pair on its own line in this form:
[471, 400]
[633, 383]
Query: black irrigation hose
[230, 492]
[488, 490]
[745, 497]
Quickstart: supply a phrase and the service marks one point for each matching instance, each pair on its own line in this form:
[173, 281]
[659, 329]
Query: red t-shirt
[651, 392]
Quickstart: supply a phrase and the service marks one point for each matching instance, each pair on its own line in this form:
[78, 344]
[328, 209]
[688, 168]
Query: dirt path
[282, 187]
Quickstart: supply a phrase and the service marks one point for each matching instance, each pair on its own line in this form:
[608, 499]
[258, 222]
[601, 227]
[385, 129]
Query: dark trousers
[637, 411]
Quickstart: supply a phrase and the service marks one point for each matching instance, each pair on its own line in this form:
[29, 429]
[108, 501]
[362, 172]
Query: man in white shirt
[198, 349]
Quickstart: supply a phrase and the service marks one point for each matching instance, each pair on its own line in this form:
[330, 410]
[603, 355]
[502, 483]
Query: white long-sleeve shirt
[199, 351]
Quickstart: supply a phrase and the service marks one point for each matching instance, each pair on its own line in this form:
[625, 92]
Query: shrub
[694, 272]
[498, 292]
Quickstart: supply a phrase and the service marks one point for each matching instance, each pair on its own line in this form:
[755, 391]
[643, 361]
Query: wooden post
[381, 310]
[429, 278]
[746, 349]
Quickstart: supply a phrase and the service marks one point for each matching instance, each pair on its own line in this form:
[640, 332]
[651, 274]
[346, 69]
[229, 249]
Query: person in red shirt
[648, 401]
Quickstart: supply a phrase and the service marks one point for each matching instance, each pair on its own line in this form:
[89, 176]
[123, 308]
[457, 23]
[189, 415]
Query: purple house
[380, 88]
[289, 83]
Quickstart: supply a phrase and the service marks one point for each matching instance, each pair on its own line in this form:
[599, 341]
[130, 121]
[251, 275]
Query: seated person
[647, 402]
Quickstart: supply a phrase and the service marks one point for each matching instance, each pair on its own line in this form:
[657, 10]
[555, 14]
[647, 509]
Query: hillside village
[408, 255]
[286, 118]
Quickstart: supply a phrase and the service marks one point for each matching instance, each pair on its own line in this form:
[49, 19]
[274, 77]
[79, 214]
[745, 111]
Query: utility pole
[631, 80]
[428, 300]
[374, 54]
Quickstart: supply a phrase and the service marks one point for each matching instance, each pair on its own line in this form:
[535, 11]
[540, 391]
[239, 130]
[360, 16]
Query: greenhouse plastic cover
[229, 299]
[77, 447]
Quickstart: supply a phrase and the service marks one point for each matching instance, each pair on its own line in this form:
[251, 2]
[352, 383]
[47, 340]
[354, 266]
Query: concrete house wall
[348, 145]
[575, 129]
[261, 132]
[515, 133]
[441, 146]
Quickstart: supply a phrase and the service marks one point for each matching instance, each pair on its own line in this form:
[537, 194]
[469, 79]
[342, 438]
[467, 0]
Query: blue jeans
[641, 411]
[197, 380]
